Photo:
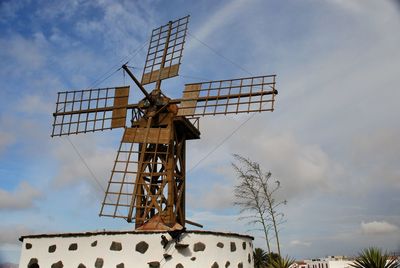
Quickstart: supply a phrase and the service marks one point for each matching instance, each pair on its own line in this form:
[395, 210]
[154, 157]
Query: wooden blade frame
[90, 110]
[165, 51]
[243, 95]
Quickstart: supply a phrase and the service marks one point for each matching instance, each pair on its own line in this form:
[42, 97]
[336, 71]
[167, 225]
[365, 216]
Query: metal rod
[231, 96]
[137, 83]
[193, 223]
[101, 109]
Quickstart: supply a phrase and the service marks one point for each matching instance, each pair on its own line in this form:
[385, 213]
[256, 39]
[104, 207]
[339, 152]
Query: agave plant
[280, 262]
[260, 258]
[373, 258]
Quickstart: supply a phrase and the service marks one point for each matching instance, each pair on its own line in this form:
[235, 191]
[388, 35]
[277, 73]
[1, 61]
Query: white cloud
[220, 18]
[376, 155]
[6, 139]
[9, 9]
[302, 168]
[351, 5]
[363, 6]
[378, 227]
[24, 52]
[9, 234]
[17, 124]
[10, 246]
[219, 221]
[300, 243]
[213, 197]
[60, 10]
[117, 24]
[23, 197]
[34, 104]
[72, 169]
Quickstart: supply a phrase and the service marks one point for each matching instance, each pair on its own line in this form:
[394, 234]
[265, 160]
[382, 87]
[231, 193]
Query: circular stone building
[137, 249]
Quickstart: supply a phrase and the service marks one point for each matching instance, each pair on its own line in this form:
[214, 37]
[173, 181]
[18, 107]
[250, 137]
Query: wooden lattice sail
[147, 183]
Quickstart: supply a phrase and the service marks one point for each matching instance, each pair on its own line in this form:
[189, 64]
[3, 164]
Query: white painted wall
[87, 255]
[329, 263]
[340, 264]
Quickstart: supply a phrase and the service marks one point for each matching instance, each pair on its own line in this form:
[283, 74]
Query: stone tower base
[137, 249]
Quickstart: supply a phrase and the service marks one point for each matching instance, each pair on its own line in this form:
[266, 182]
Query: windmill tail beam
[137, 83]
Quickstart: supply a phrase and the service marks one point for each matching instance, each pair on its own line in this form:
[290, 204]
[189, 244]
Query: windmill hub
[154, 103]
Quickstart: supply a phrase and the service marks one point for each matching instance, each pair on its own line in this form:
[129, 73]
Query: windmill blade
[90, 110]
[243, 95]
[136, 181]
[165, 51]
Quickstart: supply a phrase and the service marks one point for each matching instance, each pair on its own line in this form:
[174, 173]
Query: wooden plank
[166, 72]
[120, 100]
[191, 93]
[121, 92]
[155, 135]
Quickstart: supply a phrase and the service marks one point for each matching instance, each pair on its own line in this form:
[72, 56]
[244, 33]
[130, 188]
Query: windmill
[147, 182]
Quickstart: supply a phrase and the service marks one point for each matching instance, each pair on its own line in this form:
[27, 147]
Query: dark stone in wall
[154, 264]
[199, 247]
[193, 258]
[121, 265]
[220, 245]
[164, 241]
[179, 265]
[240, 265]
[215, 265]
[94, 244]
[180, 246]
[244, 245]
[99, 263]
[81, 265]
[167, 256]
[58, 264]
[141, 247]
[34, 265]
[28, 245]
[52, 248]
[227, 264]
[73, 246]
[116, 246]
[249, 258]
[32, 261]
[233, 246]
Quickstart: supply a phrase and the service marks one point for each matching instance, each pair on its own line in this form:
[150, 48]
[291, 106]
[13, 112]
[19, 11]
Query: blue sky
[333, 140]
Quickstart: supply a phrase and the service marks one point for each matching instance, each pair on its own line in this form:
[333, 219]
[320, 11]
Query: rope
[220, 55]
